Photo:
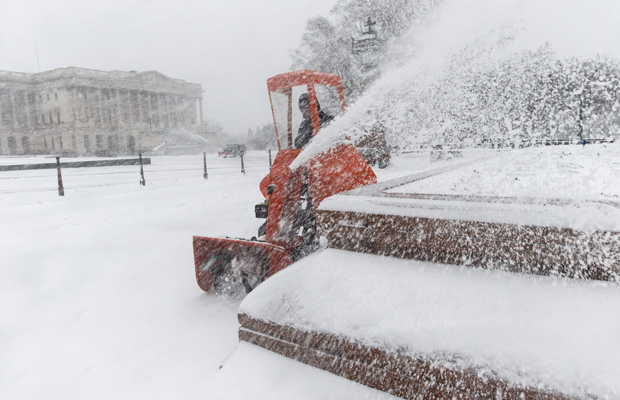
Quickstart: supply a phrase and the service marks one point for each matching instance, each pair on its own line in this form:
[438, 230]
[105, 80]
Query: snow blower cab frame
[291, 196]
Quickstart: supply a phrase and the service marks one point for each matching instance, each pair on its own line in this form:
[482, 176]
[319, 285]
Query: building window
[83, 114]
[7, 119]
[48, 96]
[56, 96]
[58, 116]
[99, 142]
[26, 145]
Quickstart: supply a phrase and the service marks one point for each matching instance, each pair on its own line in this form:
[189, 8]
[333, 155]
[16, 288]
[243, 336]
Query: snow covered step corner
[419, 330]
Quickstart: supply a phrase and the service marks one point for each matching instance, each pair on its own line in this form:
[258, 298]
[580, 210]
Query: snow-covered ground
[98, 298]
[97, 291]
[575, 172]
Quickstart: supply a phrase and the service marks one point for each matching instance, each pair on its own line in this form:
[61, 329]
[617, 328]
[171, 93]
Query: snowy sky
[230, 47]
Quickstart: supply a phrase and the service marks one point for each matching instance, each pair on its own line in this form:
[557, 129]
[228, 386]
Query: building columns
[75, 106]
[27, 107]
[99, 107]
[119, 108]
[139, 100]
[90, 115]
[168, 110]
[14, 109]
[163, 117]
[150, 109]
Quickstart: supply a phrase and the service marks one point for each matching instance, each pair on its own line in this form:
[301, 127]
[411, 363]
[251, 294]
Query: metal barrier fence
[21, 175]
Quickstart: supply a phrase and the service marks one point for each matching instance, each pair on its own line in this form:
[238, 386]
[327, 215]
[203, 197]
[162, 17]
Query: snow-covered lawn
[572, 172]
[98, 298]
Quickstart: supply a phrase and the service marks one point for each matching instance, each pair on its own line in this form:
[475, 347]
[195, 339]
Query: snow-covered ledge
[542, 333]
[493, 213]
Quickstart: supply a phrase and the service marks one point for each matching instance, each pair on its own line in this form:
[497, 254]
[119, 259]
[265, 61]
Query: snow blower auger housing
[291, 196]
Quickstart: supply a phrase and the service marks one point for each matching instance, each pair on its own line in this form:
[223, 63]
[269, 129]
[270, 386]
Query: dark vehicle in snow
[232, 150]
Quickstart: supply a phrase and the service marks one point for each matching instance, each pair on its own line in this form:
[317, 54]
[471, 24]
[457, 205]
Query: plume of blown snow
[470, 34]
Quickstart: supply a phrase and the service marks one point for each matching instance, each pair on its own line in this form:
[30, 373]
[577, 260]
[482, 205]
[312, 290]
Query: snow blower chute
[308, 100]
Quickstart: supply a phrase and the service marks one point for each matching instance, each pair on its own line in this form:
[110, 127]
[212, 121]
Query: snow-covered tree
[262, 138]
[328, 49]
[328, 43]
[526, 97]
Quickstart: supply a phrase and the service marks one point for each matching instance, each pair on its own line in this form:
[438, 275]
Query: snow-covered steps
[436, 376]
[428, 331]
[486, 214]
[541, 250]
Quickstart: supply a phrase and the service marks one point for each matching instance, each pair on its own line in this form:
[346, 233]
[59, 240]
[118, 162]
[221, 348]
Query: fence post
[205, 174]
[142, 180]
[61, 188]
[242, 166]
[269, 158]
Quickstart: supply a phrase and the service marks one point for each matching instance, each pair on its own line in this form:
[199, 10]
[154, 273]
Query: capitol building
[76, 111]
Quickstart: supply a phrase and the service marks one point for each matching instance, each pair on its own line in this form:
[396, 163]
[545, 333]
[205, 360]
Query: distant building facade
[77, 111]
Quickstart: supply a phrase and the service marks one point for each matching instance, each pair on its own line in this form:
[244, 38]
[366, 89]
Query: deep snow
[97, 291]
[98, 298]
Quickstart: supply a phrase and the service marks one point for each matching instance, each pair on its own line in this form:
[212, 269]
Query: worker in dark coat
[305, 132]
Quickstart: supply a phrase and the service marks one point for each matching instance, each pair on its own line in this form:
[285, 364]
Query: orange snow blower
[291, 195]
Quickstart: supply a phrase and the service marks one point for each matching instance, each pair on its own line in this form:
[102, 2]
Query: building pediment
[155, 77]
